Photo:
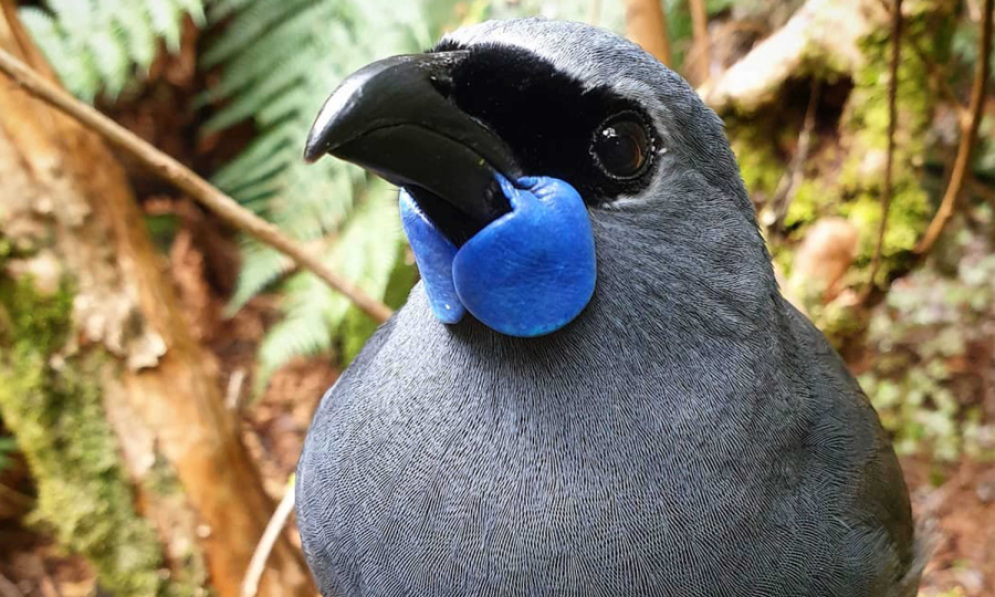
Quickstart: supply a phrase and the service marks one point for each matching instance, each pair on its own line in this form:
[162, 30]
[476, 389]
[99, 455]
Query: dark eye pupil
[621, 147]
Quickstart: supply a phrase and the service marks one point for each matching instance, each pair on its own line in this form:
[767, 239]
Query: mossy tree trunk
[139, 466]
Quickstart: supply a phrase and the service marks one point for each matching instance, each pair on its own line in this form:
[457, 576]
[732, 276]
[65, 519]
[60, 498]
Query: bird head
[546, 165]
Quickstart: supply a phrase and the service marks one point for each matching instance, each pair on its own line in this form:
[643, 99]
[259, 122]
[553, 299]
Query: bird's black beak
[395, 118]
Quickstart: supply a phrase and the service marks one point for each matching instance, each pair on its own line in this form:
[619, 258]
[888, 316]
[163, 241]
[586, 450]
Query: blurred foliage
[8, 445]
[101, 45]
[931, 339]
[929, 346]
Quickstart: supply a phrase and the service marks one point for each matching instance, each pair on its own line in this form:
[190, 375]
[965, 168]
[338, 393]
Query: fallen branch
[187, 181]
[968, 138]
[257, 565]
[886, 185]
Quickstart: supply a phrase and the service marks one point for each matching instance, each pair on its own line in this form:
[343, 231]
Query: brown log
[64, 194]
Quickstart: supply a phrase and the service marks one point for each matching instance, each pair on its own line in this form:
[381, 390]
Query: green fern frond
[219, 10]
[75, 68]
[100, 45]
[165, 16]
[261, 266]
[300, 333]
[278, 62]
[255, 22]
[194, 8]
[133, 22]
[366, 253]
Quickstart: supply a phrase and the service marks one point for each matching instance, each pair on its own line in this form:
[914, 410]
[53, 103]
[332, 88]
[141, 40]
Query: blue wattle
[528, 273]
[434, 254]
[531, 271]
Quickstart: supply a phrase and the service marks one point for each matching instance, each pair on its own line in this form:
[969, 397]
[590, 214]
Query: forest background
[178, 289]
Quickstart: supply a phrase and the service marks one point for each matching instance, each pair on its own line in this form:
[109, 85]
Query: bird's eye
[621, 146]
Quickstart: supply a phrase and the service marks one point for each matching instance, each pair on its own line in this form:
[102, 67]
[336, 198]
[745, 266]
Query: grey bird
[688, 434]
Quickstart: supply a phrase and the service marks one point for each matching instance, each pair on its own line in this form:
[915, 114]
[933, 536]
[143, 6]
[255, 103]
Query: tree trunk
[646, 24]
[139, 466]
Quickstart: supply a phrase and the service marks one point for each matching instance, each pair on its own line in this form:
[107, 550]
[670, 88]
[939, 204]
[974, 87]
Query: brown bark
[646, 24]
[158, 390]
[189, 182]
[700, 55]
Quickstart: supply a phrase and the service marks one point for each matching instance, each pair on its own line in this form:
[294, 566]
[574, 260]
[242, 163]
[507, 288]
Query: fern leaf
[194, 8]
[73, 66]
[132, 20]
[301, 334]
[252, 23]
[81, 14]
[98, 45]
[278, 61]
[111, 59]
[164, 16]
[261, 266]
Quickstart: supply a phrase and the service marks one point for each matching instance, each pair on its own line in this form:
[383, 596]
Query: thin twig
[233, 394]
[7, 588]
[787, 187]
[968, 138]
[187, 181]
[886, 185]
[20, 500]
[935, 75]
[250, 586]
[700, 44]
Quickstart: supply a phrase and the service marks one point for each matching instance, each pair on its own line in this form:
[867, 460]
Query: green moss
[909, 213]
[805, 205]
[189, 575]
[758, 159]
[54, 408]
[783, 256]
[839, 323]
[866, 122]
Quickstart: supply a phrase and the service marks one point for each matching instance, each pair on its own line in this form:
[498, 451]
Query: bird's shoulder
[853, 451]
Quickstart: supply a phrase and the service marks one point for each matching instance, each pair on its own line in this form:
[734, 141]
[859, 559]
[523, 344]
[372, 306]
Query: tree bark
[646, 24]
[139, 465]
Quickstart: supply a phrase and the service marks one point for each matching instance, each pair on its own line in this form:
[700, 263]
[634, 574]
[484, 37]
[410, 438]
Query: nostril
[442, 83]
